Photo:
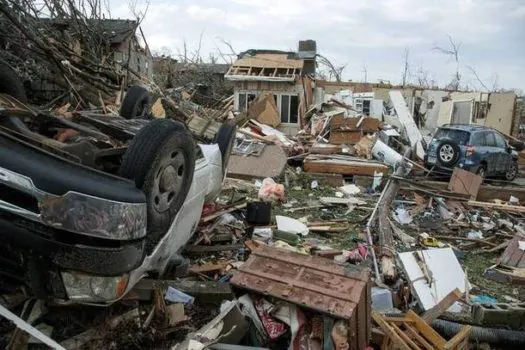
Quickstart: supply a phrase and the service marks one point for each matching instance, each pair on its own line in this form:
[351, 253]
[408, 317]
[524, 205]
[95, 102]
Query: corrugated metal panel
[513, 256]
[310, 281]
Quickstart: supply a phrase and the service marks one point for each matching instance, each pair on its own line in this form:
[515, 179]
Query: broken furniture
[343, 165]
[349, 131]
[313, 283]
[511, 265]
[411, 332]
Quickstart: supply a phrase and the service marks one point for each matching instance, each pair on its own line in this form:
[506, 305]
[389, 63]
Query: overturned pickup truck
[85, 215]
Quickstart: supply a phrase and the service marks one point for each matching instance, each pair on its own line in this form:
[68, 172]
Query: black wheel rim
[511, 173]
[169, 180]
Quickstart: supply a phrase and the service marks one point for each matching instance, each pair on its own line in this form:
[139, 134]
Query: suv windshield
[460, 136]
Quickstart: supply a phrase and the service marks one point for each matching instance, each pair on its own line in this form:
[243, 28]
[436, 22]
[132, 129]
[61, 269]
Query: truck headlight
[89, 288]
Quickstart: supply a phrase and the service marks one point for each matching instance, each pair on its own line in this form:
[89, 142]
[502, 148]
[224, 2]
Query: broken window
[363, 106]
[244, 100]
[289, 109]
[480, 110]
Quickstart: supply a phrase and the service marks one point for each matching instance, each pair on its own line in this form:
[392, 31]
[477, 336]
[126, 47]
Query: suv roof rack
[473, 126]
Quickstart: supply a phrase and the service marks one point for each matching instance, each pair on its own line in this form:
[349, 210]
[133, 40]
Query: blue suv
[479, 149]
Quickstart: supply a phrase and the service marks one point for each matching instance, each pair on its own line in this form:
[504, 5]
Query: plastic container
[381, 299]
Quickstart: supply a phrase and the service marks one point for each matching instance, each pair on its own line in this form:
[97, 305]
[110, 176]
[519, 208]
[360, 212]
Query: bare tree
[405, 67]
[62, 42]
[453, 53]
[334, 72]
[494, 84]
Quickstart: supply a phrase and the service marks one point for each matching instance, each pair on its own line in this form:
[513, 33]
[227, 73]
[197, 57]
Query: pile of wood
[63, 44]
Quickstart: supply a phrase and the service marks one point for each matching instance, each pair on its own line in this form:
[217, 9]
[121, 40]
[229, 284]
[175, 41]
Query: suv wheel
[512, 171]
[448, 153]
[482, 171]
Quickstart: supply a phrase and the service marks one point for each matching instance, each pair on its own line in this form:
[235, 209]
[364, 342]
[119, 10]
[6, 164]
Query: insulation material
[406, 119]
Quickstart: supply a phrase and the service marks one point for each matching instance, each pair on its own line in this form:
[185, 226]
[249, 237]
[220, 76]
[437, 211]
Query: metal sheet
[312, 282]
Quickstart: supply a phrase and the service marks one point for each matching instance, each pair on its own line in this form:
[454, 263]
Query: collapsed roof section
[266, 65]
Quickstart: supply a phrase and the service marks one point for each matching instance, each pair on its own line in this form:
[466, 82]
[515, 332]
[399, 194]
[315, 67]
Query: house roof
[266, 65]
[115, 30]
[269, 59]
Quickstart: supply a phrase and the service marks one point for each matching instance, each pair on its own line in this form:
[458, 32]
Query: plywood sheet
[270, 163]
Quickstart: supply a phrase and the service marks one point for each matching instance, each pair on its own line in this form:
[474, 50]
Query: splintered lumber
[502, 207]
[206, 249]
[453, 238]
[430, 315]
[386, 236]
[344, 167]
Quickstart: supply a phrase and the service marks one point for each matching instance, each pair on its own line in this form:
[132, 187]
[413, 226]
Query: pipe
[495, 336]
[369, 235]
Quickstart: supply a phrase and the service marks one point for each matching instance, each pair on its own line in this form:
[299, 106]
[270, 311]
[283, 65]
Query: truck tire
[448, 153]
[11, 83]
[225, 138]
[161, 161]
[136, 104]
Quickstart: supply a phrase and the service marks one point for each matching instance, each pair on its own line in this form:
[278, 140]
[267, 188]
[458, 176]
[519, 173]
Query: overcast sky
[356, 33]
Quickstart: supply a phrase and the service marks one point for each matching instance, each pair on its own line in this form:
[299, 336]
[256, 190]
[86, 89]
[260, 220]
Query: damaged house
[279, 82]
[430, 108]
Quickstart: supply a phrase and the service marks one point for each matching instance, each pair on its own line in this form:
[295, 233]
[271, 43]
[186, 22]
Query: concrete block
[500, 314]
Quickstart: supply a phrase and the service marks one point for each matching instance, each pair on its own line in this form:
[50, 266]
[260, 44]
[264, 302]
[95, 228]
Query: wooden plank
[223, 211]
[503, 207]
[344, 167]
[428, 332]
[390, 332]
[486, 193]
[442, 306]
[206, 249]
[205, 268]
[414, 333]
[405, 337]
[466, 239]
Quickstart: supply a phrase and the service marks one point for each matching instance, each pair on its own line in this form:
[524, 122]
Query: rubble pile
[335, 236]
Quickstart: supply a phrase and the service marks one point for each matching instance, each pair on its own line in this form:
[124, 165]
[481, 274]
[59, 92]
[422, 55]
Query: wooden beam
[205, 291]
[502, 207]
[455, 238]
[344, 167]
[206, 249]
[442, 306]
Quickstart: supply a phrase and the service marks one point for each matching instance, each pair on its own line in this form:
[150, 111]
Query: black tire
[482, 171]
[136, 104]
[161, 161]
[512, 171]
[10, 82]
[225, 138]
[448, 153]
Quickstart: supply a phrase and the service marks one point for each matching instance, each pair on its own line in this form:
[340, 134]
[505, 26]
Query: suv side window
[478, 139]
[500, 141]
[490, 140]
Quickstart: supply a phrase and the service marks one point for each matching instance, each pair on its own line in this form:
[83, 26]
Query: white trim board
[444, 268]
